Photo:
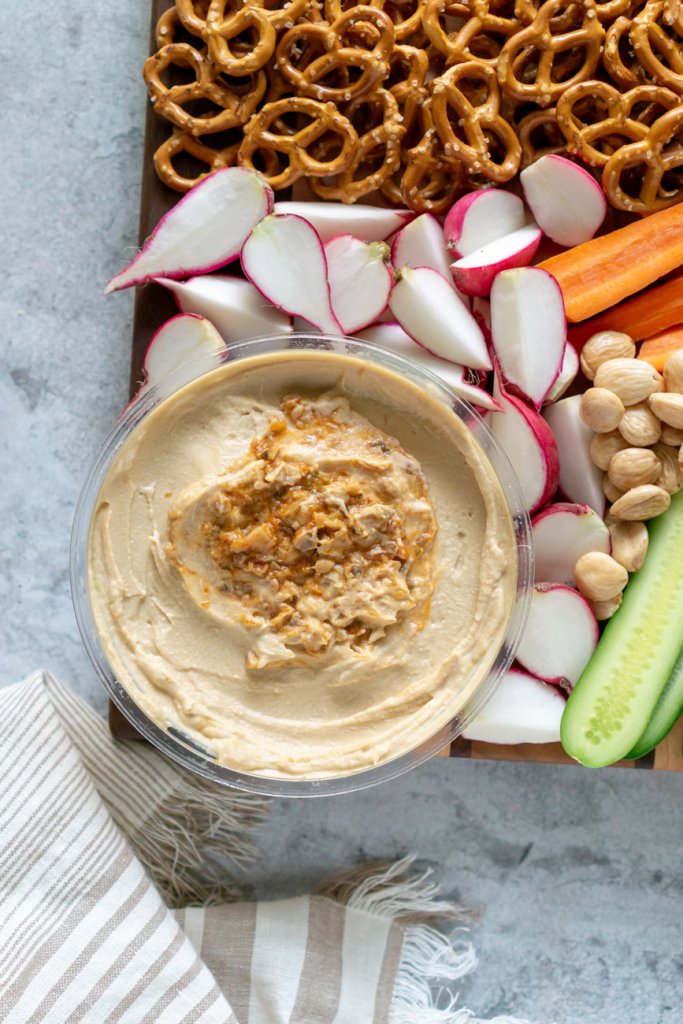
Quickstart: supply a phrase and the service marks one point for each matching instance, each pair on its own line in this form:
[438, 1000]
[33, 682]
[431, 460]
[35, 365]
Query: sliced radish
[580, 478]
[567, 374]
[368, 223]
[421, 244]
[560, 635]
[180, 339]
[284, 258]
[474, 274]
[360, 280]
[203, 231]
[393, 337]
[481, 217]
[566, 200]
[428, 309]
[562, 533]
[481, 311]
[522, 710]
[529, 444]
[234, 306]
[529, 331]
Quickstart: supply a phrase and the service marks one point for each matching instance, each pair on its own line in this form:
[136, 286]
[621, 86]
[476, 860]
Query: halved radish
[234, 306]
[180, 339]
[567, 374]
[206, 229]
[566, 200]
[474, 274]
[522, 710]
[428, 309]
[284, 258]
[369, 223]
[580, 478]
[562, 533]
[481, 217]
[560, 635]
[421, 244]
[529, 444]
[360, 280]
[481, 311]
[392, 336]
[529, 331]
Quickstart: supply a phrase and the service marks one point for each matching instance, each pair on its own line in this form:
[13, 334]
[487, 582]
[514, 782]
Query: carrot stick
[651, 312]
[602, 272]
[657, 349]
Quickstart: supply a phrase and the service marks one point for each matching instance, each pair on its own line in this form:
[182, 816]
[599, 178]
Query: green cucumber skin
[622, 683]
[666, 713]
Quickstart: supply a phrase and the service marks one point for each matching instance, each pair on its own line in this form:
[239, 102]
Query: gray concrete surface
[579, 873]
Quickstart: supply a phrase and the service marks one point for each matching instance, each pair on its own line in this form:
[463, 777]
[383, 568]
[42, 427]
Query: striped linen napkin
[105, 848]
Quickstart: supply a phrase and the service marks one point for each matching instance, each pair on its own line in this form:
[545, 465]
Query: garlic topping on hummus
[303, 563]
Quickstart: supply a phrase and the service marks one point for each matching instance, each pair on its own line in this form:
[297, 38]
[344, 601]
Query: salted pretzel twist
[658, 161]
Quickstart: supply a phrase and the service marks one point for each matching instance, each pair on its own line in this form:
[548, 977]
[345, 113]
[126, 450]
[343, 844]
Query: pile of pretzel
[421, 100]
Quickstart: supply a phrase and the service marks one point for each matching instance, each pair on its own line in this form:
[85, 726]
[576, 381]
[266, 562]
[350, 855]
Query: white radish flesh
[566, 201]
[421, 244]
[567, 374]
[180, 339]
[562, 533]
[529, 331]
[234, 306]
[206, 229]
[474, 274]
[481, 217]
[368, 223]
[530, 446]
[580, 478]
[428, 309]
[522, 710]
[284, 258]
[560, 635]
[360, 280]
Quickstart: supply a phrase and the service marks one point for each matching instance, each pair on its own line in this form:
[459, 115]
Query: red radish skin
[183, 337]
[367, 223]
[481, 217]
[285, 260]
[205, 230]
[567, 202]
[360, 280]
[475, 274]
[580, 479]
[235, 308]
[529, 331]
[429, 310]
[523, 709]
[481, 311]
[561, 534]
[566, 376]
[560, 635]
[530, 446]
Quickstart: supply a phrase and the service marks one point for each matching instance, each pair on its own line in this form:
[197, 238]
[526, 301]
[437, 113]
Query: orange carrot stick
[602, 272]
[657, 349]
[651, 312]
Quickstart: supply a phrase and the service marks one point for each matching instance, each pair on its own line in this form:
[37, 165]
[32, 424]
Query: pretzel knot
[539, 135]
[529, 66]
[180, 142]
[470, 126]
[656, 161]
[229, 20]
[430, 182]
[656, 35]
[269, 132]
[596, 119]
[361, 26]
[407, 81]
[477, 38]
[621, 64]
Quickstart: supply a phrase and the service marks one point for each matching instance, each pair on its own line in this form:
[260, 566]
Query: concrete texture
[579, 874]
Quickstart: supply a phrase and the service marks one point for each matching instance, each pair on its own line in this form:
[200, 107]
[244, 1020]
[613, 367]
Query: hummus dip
[303, 563]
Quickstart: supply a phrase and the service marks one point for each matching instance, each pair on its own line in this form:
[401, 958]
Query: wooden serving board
[154, 305]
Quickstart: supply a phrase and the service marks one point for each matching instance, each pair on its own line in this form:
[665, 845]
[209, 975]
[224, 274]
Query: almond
[670, 478]
[604, 446]
[601, 410]
[668, 407]
[629, 543]
[671, 436]
[639, 426]
[599, 577]
[633, 467]
[631, 379]
[640, 503]
[610, 490]
[605, 609]
[603, 346]
[673, 372]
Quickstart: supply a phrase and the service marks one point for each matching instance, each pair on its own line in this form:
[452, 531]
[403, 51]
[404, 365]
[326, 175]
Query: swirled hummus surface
[303, 563]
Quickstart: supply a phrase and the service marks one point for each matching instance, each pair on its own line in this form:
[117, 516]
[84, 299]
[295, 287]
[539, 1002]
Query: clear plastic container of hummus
[301, 566]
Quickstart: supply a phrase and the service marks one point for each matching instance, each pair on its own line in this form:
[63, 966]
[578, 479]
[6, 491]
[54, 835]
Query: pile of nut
[637, 416]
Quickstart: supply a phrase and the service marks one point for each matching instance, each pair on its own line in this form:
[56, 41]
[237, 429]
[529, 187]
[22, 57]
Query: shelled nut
[629, 543]
[671, 436]
[604, 446]
[673, 372]
[639, 426]
[633, 467]
[610, 490]
[601, 410]
[668, 407]
[633, 380]
[671, 477]
[641, 503]
[599, 577]
[603, 610]
[603, 346]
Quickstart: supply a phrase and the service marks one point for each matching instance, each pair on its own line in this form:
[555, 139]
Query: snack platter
[155, 304]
